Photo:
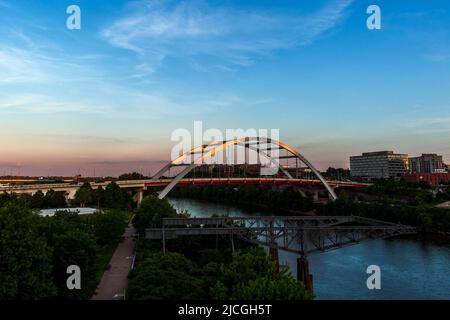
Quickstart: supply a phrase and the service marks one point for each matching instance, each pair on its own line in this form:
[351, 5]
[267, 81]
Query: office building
[378, 165]
[427, 163]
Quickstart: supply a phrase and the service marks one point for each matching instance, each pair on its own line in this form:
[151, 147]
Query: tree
[83, 196]
[115, 197]
[272, 288]
[245, 266]
[150, 213]
[132, 176]
[26, 198]
[164, 276]
[108, 226]
[72, 245]
[99, 196]
[251, 276]
[25, 257]
[6, 197]
[37, 200]
[53, 199]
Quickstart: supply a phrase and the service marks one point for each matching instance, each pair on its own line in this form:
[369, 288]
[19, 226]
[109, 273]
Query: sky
[105, 99]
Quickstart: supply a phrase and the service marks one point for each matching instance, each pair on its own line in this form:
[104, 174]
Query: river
[410, 268]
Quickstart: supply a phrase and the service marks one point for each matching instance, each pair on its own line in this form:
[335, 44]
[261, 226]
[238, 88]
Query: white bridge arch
[209, 150]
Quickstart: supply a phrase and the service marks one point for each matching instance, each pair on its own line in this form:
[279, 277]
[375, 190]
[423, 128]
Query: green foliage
[150, 213]
[412, 193]
[424, 217]
[168, 276]
[98, 197]
[284, 199]
[72, 245]
[250, 275]
[5, 197]
[84, 194]
[272, 288]
[111, 197]
[246, 266]
[37, 200]
[25, 257]
[53, 199]
[108, 226]
[132, 176]
[36, 251]
[115, 197]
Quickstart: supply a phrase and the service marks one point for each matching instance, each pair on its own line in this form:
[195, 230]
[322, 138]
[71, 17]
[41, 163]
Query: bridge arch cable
[209, 150]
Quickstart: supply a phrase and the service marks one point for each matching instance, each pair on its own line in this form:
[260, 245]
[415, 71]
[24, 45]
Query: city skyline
[108, 96]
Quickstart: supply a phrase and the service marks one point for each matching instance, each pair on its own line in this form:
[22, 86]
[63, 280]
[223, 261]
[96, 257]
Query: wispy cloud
[119, 102]
[18, 66]
[430, 125]
[231, 36]
[4, 4]
[40, 103]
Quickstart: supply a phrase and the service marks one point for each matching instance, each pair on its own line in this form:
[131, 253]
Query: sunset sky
[106, 98]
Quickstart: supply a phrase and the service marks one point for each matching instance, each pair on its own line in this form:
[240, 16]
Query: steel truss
[301, 235]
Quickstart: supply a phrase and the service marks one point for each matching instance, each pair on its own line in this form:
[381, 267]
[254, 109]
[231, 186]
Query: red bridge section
[241, 181]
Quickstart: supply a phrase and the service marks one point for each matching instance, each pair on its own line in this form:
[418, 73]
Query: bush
[150, 213]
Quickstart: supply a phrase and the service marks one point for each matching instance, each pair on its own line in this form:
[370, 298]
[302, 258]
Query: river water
[410, 268]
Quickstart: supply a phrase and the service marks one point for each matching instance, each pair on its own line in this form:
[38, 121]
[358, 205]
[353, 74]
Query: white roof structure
[444, 205]
[51, 212]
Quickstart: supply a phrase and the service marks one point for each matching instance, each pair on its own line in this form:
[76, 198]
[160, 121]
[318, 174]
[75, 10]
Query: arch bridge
[262, 146]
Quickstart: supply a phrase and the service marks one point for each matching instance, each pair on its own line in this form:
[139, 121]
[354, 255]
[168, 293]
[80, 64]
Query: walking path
[115, 280]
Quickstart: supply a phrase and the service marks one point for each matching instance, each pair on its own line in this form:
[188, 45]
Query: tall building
[378, 165]
[427, 163]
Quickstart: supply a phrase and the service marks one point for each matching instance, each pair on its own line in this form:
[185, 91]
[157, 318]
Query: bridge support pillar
[303, 274]
[330, 196]
[315, 195]
[138, 197]
[275, 257]
[232, 242]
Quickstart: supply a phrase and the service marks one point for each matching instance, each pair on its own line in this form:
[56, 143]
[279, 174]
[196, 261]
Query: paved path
[115, 280]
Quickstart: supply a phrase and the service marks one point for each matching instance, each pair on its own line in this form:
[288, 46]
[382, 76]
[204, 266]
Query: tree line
[110, 197]
[287, 199]
[35, 251]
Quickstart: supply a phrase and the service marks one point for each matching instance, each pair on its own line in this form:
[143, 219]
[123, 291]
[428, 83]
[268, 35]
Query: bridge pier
[232, 242]
[329, 195]
[315, 195]
[138, 197]
[275, 257]
[303, 274]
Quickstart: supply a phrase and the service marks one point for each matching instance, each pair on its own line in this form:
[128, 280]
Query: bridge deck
[143, 184]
